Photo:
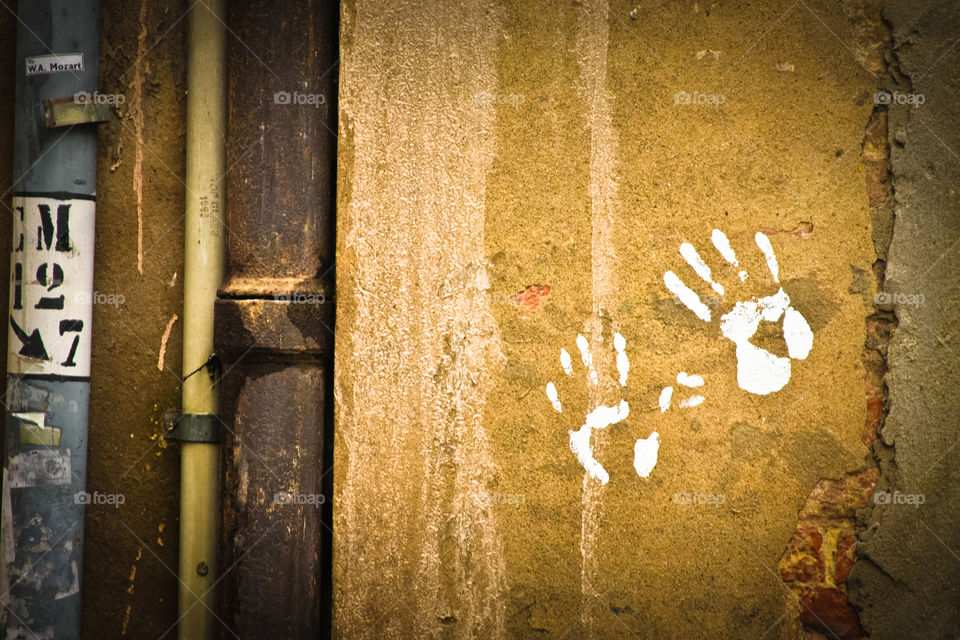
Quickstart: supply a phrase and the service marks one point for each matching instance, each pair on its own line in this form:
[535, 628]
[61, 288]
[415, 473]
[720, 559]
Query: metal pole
[48, 352]
[203, 248]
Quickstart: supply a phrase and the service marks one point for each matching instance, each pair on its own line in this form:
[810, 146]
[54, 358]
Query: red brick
[803, 561]
[876, 368]
[828, 611]
[846, 556]
[840, 499]
[874, 418]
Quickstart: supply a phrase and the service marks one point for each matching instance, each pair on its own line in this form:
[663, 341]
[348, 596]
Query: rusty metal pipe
[274, 318]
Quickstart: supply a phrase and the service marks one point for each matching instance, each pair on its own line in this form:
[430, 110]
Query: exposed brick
[875, 135]
[840, 499]
[869, 33]
[828, 611]
[874, 419]
[879, 331]
[846, 556]
[803, 561]
[875, 176]
[832, 504]
[875, 368]
[876, 161]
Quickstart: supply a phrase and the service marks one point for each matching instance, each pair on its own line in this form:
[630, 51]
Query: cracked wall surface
[906, 580]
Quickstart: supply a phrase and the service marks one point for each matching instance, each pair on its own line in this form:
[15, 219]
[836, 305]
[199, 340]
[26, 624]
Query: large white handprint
[602, 416]
[758, 370]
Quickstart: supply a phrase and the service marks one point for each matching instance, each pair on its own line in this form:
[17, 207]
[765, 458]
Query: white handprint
[602, 416]
[758, 370]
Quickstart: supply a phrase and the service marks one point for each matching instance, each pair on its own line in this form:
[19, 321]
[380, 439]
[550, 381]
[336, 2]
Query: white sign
[57, 63]
[51, 274]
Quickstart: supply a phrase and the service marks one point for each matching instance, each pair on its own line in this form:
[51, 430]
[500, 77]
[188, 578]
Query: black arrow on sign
[32, 344]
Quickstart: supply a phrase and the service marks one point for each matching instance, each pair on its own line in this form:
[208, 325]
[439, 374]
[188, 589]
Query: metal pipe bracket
[194, 427]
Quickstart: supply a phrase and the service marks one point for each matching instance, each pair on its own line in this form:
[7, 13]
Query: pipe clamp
[195, 427]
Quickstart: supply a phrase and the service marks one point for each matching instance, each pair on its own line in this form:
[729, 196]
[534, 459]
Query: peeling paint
[33, 430]
[39, 467]
[73, 587]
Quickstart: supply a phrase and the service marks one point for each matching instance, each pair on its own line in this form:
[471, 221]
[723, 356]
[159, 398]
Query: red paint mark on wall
[529, 299]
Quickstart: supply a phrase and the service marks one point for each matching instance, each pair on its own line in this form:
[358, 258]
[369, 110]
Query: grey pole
[48, 351]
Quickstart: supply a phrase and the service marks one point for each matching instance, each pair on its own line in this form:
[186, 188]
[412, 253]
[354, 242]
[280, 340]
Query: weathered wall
[907, 578]
[130, 558]
[478, 236]
[459, 506]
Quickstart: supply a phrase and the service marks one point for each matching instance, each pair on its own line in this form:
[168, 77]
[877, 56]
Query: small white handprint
[602, 416]
[758, 370]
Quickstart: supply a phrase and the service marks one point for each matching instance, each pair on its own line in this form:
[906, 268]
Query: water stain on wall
[419, 348]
